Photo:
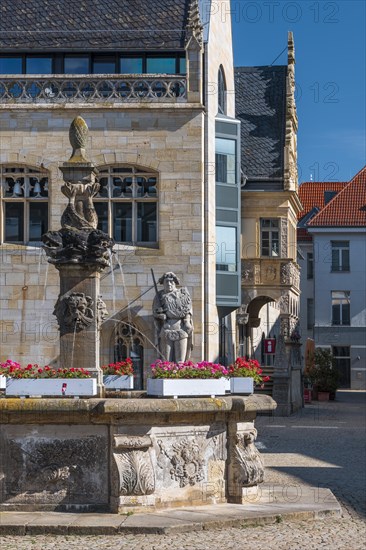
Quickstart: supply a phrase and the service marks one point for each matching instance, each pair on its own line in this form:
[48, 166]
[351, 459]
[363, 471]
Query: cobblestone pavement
[321, 446]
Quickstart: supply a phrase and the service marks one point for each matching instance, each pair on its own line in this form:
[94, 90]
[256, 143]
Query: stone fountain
[80, 252]
[127, 454]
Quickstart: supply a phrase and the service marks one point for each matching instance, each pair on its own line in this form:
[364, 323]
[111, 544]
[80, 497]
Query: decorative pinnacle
[78, 135]
[194, 24]
[291, 48]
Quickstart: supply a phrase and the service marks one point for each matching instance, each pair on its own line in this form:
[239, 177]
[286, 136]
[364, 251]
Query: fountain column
[80, 252]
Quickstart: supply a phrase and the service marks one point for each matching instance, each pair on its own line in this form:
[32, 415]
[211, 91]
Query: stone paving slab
[272, 506]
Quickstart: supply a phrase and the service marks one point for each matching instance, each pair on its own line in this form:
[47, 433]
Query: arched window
[24, 203]
[221, 88]
[127, 204]
[128, 342]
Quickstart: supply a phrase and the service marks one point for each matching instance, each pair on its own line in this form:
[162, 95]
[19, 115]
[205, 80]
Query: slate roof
[260, 97]
[92, 24]
[311, 194]
[347, 208]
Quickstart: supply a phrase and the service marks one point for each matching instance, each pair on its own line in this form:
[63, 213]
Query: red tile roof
[311, 193]
[347, 208]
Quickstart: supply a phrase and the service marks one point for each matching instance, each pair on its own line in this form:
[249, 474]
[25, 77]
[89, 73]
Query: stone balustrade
[270, 271]
[92, 88]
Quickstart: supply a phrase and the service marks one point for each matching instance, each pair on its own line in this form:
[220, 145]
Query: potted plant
[187, 379]
[47, 381]
[323, 373]
[118, 376]
[244, 373]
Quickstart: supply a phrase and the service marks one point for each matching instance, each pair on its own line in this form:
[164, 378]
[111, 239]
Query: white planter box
[2, 382]
[51, 387]
[241, 385]
[117, 382]
[161, 387]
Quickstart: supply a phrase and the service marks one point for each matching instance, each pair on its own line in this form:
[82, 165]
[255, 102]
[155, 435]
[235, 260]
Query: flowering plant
[187, 369]
[12, 369]
[122, 368]
[247, 368]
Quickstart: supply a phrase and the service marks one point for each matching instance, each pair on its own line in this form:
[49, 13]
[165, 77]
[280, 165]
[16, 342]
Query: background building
[331, 236]
[265, 105]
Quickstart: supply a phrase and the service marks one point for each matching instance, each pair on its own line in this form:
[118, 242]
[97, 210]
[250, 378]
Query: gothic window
[221, 90]
[128, 342]
[127, 204]
[24, 203]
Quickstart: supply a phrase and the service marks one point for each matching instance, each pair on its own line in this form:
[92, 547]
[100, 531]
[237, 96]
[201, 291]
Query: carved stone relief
[270, 273]
[74, 311]
[187, 461]
[134, 465]
[51, 470]
[102, 312]
[246, 462]
[284, 238]
[290, 274]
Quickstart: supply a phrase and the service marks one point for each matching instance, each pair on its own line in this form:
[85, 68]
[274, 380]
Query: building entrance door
[342, 355]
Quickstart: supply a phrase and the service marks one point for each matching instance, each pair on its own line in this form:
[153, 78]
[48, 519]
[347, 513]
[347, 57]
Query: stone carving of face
[169, 285]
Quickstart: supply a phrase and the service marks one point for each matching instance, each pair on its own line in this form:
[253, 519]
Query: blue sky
[330, 75]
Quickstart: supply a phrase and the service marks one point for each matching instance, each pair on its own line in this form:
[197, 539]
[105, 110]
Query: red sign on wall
[269, 346]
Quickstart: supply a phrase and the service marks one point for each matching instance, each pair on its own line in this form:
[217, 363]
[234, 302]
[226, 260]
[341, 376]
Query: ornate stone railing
[269, 272]
[92, 88]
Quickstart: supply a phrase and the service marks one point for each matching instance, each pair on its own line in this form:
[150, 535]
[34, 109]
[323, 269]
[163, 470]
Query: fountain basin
[123, 455]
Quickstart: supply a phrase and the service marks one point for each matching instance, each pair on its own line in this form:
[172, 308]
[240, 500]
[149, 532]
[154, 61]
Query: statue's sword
[156, 289]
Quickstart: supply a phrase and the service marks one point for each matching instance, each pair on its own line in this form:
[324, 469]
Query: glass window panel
[182, 65]
[122, 222]
[76, 65]
[38, 65]
[310, 265]
[146, 222]
[122, 187]
[225, 161]
[131, 65]
[38, 187]
[345, 314]
[146, 187]
[38, 220]
[275, 243]
[165, 65]
[104, 65]
[336, 314]
[14, 225]
[345, 259]
[101, 209]
[11, 65]
[14, 187]
[226, 248]
[225, 146]
[335, 259]
[103, 190]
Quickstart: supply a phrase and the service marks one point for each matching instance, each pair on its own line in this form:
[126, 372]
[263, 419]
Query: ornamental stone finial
[78, 135]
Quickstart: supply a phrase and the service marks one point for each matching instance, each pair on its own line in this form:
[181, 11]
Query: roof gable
[92, 24]
[312, 194]
[347, 208]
